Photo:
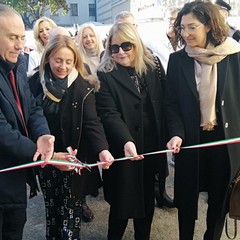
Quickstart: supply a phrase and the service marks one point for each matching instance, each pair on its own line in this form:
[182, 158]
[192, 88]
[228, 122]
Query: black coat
[120, 107]
[15, 147]
[77, 125]
[183, 117]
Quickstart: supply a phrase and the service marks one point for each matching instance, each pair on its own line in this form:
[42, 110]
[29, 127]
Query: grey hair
[123, 15]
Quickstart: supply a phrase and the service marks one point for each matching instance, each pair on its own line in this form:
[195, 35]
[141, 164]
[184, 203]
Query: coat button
[226, 125]
[222, 103]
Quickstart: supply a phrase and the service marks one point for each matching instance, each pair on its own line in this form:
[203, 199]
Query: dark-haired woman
[202, 99]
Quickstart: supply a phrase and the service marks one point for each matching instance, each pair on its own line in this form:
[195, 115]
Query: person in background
[24, 133]
[68, 103]
[130, 104]
[41, 30]
[89, 45]
[202, 92]
[58, 30]
[167, 44]
[225, 9]
[125, 16]
[170, 17]
[161, 195]
[26, 50]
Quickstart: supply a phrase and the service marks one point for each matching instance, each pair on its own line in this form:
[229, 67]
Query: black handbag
[234, 205]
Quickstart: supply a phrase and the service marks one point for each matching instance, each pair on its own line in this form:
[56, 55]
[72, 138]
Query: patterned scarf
[206, 77]
[51, 88]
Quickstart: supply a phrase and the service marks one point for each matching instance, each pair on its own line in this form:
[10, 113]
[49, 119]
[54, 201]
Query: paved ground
[164, 225]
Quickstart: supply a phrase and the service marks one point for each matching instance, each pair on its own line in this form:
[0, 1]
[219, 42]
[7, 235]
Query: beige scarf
[206, 77]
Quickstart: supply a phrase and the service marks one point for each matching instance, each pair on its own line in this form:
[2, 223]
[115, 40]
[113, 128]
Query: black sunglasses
[125, 46]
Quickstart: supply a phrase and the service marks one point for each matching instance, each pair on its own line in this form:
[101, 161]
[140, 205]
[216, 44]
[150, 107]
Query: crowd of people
[95, 100]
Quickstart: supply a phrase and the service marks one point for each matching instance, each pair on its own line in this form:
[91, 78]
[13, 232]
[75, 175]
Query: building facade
[104, 11]
[141, 9]
[80, 11]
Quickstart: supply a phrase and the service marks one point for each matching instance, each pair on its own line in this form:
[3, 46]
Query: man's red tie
[13, 84]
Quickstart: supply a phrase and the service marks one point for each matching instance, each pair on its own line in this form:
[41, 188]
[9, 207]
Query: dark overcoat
[77, 125]
[183, 117]
[82, 129]
[120, 107]
[15, 147]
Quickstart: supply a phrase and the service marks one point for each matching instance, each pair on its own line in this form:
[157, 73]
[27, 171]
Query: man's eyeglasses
[191, 29]
[125, 46]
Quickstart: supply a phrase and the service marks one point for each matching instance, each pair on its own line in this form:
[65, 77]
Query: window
[92, 10]
[74, 9]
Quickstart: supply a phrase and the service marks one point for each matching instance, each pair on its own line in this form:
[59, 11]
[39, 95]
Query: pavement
[164, 226]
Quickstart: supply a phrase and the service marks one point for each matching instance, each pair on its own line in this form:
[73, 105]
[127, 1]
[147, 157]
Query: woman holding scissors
[69, 105]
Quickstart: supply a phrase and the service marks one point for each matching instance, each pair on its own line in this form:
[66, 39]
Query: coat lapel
[187, 65]
[124, 79]
[21, 91]
[222, 75]
[151, 83]
[5, 88]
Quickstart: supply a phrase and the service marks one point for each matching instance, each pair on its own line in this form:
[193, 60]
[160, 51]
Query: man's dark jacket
[15, 147]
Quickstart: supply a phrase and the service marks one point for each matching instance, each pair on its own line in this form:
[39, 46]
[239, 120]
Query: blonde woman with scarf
[90, 45]
[202, 105]
[68, 103]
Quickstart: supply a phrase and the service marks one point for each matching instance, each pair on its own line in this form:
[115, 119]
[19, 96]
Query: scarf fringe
[209, 126]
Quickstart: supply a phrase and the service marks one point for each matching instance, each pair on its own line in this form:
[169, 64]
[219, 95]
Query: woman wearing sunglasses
[202, 99]
[131, 108]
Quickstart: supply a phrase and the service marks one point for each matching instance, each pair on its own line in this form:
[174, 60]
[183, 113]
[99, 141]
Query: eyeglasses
[191, 29]
[125, 46]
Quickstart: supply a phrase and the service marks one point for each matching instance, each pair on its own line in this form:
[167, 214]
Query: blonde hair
[126, 32]
[99, 45]
[57, 42]
[39, 42]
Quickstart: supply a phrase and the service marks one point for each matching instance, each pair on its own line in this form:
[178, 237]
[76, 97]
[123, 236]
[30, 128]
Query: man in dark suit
[24, 133]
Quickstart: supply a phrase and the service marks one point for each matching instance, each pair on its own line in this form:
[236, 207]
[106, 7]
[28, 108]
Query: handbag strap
[235, 229]
[159, 67]
[160, 71]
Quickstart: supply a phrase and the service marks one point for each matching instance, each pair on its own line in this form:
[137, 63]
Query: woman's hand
[63, 156]
[131, 151]
[106, 157]
[175, 144]
[45, 147]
